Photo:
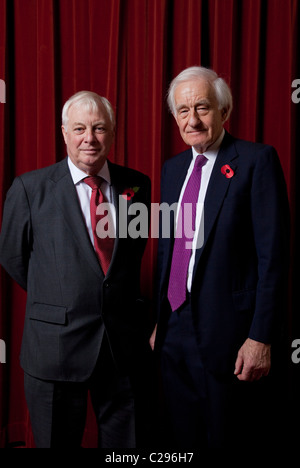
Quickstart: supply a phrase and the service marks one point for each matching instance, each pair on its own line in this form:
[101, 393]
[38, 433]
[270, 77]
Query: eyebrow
[98, 122]
[198, 103]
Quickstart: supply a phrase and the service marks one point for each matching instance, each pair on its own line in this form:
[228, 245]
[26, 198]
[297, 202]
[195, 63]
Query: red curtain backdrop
[128, 51]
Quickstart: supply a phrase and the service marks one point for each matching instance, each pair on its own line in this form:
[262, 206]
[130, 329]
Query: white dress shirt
[84, 192]
[211, 155]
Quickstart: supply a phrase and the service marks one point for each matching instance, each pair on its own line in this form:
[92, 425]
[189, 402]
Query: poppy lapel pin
[227, 171]
[129, 193]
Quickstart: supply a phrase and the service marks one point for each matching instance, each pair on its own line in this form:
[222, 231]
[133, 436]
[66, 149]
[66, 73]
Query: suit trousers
[207, 410]
[58, 409]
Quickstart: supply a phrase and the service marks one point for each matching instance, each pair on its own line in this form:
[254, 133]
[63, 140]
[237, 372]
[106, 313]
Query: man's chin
[91, 165]
[199, 143]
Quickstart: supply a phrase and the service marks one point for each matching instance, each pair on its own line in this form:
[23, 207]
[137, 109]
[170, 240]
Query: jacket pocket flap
[244, 300]
[48, 313]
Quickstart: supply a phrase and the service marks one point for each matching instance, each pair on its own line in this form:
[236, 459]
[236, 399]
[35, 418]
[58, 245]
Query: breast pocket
[48, 313]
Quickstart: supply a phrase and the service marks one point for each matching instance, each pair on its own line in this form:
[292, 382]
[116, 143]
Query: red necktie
[181, 251]
[103, 246]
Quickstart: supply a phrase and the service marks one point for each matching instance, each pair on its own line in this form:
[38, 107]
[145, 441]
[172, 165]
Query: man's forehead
[82, 113]
[199, 89]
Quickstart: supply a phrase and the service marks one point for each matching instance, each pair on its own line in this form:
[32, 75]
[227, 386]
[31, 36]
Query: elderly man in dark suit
[84, 325]
[221, 286]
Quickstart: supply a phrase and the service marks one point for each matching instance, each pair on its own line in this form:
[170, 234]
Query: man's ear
[224, 114]
[64, 132]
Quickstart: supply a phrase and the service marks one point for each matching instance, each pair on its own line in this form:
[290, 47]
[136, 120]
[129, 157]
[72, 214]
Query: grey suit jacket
[45, 247]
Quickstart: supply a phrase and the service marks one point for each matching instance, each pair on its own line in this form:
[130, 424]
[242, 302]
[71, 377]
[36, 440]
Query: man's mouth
[89, 150]
[200, 130]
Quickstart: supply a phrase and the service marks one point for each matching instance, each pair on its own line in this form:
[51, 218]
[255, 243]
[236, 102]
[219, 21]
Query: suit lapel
[66, 198]
[116, 190]
[180, 171]
[118, 186]
[217, 189]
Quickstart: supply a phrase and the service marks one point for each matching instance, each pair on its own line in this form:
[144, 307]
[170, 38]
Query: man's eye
[100, 129]
[78, 129]
[202, 108]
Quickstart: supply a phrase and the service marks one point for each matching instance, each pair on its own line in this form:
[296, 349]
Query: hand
[253, 361]
[152, 338]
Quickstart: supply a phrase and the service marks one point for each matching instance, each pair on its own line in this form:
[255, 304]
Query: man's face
[88, 136]
[197, 115]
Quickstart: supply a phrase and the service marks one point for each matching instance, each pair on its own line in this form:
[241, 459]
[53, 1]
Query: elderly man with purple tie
[221, 287]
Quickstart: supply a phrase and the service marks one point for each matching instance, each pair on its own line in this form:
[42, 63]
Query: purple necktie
[182, 244]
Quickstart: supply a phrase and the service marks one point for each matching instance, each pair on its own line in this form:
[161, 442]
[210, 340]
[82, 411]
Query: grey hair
[221, 88]
[90, 101]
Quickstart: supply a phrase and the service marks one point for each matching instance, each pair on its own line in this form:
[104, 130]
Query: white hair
[90, 101]
[221, 88]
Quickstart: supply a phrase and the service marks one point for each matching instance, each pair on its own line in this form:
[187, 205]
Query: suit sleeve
[15, 237]
[271, 225]
[160, 251]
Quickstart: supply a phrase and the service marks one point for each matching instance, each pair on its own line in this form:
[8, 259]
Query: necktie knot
[200, 161]
[93, 181]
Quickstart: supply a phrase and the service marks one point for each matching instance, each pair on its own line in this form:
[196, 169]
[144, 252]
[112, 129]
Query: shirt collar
[78, 175]
[213, 150]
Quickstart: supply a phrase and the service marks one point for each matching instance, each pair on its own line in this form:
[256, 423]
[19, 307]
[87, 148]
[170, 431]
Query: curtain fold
[129, 51]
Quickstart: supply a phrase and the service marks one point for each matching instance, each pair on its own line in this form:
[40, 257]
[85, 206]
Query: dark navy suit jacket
[45, 247]
[240, 274]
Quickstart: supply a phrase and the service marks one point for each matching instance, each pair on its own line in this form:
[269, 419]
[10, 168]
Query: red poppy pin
[227, 171]
[129, 193]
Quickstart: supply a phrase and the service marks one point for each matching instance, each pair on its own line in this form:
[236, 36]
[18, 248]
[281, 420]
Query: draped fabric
[128, 51]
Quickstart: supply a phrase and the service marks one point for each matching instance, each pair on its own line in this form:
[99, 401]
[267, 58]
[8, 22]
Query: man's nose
[89, 135]
[194, 118]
